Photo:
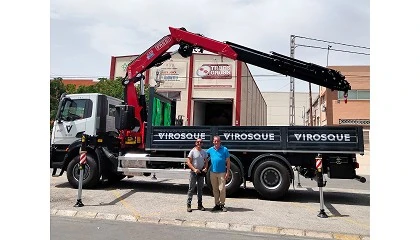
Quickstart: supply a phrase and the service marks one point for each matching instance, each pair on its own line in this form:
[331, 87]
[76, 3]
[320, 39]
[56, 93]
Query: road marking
[128, 206]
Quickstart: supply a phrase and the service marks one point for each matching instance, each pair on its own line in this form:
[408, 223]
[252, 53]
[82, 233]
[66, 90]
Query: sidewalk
[163, 201]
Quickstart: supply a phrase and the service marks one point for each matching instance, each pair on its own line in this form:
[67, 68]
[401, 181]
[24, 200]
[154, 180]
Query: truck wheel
[91, 174]
[232, 183]
[271, 180]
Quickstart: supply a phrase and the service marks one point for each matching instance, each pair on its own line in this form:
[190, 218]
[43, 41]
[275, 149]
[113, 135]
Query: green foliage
[70, 88]
[111, 88]
[56, 89]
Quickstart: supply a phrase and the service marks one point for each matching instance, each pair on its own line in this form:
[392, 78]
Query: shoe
[200, 207]
[189, 208]
[223, 208]
[216, 208]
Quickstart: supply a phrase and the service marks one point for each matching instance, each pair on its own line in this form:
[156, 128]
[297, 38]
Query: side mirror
[63, 101]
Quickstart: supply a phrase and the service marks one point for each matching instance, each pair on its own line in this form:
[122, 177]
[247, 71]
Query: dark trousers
[195, 181]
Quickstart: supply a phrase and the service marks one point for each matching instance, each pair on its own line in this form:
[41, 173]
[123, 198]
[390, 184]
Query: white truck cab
[89, 113]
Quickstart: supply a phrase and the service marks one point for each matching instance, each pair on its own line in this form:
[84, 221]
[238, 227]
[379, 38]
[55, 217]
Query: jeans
[195, 181]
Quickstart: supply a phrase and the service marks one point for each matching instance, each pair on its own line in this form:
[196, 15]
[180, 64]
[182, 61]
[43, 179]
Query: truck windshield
[76, 109]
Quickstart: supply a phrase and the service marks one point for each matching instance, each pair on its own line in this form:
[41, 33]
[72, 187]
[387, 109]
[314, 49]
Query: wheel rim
[229, 179]
[76, 172]
[271, 178]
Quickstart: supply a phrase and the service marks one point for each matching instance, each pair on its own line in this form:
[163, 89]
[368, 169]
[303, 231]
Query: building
[209, 89]
[278, 104]
[330, 108]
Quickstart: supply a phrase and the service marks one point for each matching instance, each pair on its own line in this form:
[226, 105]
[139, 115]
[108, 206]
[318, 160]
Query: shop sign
[215, 71]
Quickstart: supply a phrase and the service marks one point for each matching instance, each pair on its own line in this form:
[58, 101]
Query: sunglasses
[199, 142]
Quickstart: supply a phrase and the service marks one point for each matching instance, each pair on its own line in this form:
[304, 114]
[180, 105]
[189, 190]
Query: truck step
[132, 171]
[143, 157]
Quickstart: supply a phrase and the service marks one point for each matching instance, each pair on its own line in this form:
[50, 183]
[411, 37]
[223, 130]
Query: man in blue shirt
[219, 172]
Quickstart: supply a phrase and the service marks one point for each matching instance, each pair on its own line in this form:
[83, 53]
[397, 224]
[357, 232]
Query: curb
[212, 225]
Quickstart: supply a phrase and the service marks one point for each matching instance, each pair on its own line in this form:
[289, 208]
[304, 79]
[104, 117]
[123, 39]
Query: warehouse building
[209, 89]
[278, 104]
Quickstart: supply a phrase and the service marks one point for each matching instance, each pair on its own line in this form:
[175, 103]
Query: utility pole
[293, 46]
[328, 52]
[292, 85]
[311, 123]
[303, 116]
[326, 116]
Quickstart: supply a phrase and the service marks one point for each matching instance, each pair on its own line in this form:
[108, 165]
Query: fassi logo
[162, 43]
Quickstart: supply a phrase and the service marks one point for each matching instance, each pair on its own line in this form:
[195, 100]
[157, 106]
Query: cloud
[131, 26]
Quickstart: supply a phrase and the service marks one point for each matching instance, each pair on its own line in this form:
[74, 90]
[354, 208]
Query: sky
[85, 34]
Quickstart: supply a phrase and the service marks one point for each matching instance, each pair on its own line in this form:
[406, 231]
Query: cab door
[75, 118]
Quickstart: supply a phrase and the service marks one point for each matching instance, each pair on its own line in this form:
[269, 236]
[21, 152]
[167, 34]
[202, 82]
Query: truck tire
[271, 179]
[91, 174]
[232, 184]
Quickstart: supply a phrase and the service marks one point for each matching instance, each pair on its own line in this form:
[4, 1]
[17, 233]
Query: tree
[70, 88]
[112, 88]
[56, 89]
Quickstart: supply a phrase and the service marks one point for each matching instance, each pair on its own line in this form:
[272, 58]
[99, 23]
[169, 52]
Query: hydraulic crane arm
[189, 42]
[275, 62]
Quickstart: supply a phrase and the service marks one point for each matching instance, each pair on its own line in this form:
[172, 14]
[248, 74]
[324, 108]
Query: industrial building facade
[278, 104]
[209, 89]
[330, 107]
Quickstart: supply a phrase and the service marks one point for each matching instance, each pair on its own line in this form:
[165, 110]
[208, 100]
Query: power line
[344, 44]
[287, 84]
[331, 49]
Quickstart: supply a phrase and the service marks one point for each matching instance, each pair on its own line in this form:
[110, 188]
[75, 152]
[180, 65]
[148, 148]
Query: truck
[122, 138]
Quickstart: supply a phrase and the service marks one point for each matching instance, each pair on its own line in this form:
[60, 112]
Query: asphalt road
[67, 228]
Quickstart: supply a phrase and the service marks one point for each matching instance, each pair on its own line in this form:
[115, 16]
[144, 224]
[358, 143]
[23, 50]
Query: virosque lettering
[181, 136]
[323, 137]
[249, 136]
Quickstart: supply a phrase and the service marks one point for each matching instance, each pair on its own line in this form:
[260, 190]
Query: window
[76, 109]
[112, 111]
[355, 94]
[363, 94]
